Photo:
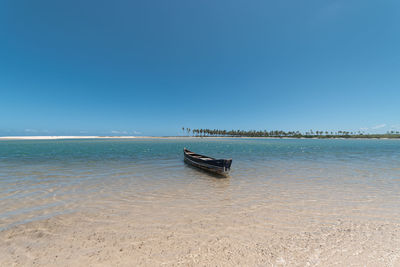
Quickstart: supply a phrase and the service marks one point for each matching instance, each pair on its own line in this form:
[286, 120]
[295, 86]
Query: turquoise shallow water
[353, 178]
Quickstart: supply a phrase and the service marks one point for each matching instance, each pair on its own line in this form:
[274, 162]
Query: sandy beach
[197, 239]
[65, 137]
[104, 137]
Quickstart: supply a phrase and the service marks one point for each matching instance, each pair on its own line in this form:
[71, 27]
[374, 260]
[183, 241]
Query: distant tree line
[280, 133]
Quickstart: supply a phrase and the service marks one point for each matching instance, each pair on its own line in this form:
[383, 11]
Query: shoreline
[15, 138]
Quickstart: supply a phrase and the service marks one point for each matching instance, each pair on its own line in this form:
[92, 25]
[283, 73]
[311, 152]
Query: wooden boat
[219, 166]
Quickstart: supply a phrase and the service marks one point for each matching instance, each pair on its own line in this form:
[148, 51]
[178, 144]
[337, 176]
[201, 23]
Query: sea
[320, 180]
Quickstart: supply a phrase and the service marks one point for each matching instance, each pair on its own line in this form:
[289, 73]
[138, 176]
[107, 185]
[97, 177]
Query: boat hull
[218, 166]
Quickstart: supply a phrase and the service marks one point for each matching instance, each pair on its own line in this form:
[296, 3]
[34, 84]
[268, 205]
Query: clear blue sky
[152, 66]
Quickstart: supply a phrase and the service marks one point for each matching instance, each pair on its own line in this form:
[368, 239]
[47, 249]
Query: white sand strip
[61, 137]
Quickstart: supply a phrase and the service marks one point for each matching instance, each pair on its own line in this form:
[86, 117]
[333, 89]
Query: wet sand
[164, 236]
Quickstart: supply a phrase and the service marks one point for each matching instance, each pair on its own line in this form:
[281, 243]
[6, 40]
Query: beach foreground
[198, 239]
[134, 202]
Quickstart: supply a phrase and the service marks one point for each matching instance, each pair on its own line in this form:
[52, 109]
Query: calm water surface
[325, 179]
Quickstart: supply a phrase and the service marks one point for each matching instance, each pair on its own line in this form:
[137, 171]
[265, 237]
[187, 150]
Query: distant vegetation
[281, 134]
